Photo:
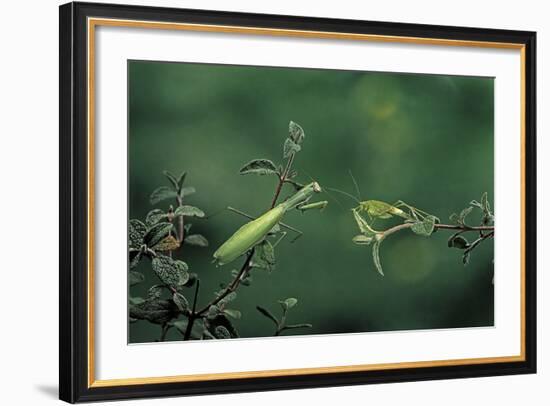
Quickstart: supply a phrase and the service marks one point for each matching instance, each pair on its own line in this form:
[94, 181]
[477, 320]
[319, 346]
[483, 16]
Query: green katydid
[255, 231]
[421, 223]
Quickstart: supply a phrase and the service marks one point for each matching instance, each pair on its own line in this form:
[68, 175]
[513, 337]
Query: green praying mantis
[255, 231]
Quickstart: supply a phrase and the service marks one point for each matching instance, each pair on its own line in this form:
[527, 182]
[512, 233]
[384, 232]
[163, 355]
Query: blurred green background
[425, 139]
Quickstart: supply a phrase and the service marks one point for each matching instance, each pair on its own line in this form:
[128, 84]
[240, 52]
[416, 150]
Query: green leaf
[246, 281]
[168, 243]
[259, 167]
[189, 211]
[228, 298]
[172, 179]
[300, 325]
[376, 256]
[154, 311]
[157, 233]
[213, 312]
[135, 300]
[154, 216]
[290, 302]
[135, 257]
[290, 147]
[155, 292]
[362, 239]
[198, 331]
[264, 256]
[485, 207]
[135, 277]
[457, 241]
[485, 202]
[181, 180]
[182, 269]
[268, 314]
[235, 314]
[197, 240]
[362, 224]
[464, 213]
[171, 272]
[187, 191]
[180, 301]
[296, 132]
[425, 227]
[220, 332]
[192, 279]
[136, 232]
[268, 254]
[162, 193]
[460, 219]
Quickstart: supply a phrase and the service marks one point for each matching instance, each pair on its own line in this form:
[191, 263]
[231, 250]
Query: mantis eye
[316, 187]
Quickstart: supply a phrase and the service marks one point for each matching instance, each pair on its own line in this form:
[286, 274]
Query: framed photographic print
[256, 202]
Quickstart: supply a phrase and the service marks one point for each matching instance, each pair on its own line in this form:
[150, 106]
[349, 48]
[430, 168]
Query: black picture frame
[74, 199]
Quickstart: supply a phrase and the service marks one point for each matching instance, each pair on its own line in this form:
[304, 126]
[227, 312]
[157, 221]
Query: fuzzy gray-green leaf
[196, 240]
[228, 298]
[189, 211]
[181, 180]
[235, 314]
[259, 167]
[135, 257]
[425, 227]
[162, 193]
[288, 303]
[135, 277]
[180, 301]
[290, 147]
[154, 216]
[171, 272]
[157, 233]
[268, 314]
[296, 132]
[221, 333]
[187, 191]
[299, 325]
[171, 178]
[155, 292]
[136, 232]
[457, 241]
[135, 300]
[362, 239]
[155, 311]
[376, 256]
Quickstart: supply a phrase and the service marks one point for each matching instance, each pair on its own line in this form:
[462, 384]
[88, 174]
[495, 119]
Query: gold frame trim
[94, 22]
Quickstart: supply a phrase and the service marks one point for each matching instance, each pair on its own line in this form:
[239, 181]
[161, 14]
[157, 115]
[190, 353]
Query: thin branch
[282, 180]
[197, 287]
[461, 228]
[479, 241]
[192, 315]
[232, 286]
[464, 227]
[165, 328]
[181, 233]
